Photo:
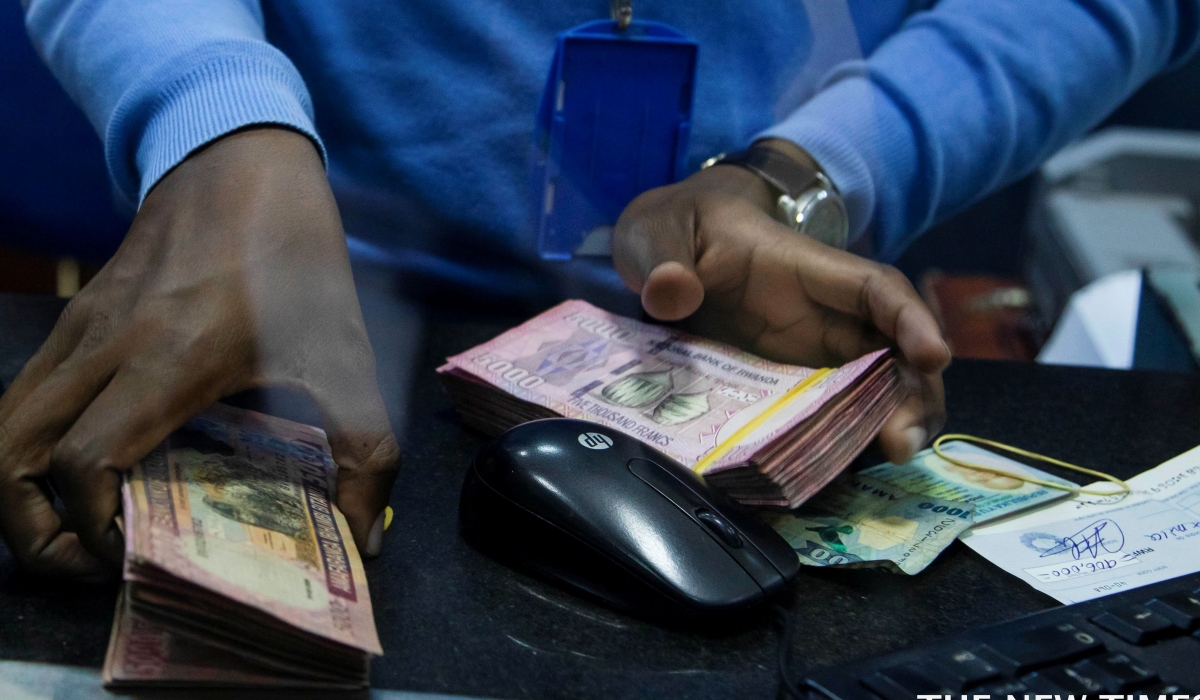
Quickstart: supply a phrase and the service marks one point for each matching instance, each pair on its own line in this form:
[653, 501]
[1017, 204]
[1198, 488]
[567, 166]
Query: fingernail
[916, 439]
[375, 538]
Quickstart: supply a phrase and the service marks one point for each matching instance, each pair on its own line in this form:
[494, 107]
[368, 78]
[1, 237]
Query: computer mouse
[605, 514]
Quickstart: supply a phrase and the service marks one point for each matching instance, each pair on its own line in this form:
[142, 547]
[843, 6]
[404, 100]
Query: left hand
[234, 275]
[706, 250]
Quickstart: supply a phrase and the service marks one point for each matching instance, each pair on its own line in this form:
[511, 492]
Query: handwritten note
[1088, 547]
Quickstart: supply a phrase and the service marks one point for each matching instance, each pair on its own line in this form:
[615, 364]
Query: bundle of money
[766, 433]
[239, 569]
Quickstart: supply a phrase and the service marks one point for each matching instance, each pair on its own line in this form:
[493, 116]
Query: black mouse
[605, 514]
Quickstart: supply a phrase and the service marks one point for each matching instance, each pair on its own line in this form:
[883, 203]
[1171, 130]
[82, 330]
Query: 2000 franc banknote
[683, 394]
[993, 495]
[238, 503]
[860, 522]
[233, 542]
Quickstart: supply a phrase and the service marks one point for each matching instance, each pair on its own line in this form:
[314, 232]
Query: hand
[233, 275]
[706, 250]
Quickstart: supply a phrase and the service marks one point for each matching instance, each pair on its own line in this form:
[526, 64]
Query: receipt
[1089, 546]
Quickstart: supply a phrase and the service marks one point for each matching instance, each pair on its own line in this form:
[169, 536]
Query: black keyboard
[1144, 641]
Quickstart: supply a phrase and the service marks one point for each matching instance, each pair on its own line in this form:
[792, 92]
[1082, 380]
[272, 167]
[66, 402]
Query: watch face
[818, 214]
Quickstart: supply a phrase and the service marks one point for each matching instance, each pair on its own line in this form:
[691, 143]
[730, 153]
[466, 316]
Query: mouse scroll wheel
[717, 525]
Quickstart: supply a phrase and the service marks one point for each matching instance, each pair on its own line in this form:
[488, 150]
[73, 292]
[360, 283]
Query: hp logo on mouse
[595, 441]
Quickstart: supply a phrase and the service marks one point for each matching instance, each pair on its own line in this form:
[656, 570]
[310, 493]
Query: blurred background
[1090, 261]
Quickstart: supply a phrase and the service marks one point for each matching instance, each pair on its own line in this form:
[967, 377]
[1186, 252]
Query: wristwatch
[805, 199]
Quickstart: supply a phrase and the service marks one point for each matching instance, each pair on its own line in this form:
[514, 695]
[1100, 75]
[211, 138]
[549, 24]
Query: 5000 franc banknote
[707, 404]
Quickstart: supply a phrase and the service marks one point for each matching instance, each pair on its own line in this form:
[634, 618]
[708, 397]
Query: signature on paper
[1101, 537]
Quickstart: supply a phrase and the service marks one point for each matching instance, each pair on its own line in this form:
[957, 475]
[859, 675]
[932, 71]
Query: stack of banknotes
[239, 570]
[764, 432]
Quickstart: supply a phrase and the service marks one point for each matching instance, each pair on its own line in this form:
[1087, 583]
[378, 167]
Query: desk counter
[453, 621]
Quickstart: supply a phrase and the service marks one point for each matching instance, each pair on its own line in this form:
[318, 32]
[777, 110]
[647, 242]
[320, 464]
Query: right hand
[234, 275]
[707, 251]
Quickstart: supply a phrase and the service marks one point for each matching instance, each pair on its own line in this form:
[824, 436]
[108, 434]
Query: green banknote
[993, 495]
[859, 522]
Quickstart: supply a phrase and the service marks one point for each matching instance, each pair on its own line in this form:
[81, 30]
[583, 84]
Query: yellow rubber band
[387, 517]
[1124, 488]
[744, 431]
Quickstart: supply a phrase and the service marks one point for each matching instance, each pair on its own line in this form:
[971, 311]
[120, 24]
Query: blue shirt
[424, 109]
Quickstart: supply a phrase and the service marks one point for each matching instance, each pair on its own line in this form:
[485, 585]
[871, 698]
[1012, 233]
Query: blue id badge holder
[613, 122]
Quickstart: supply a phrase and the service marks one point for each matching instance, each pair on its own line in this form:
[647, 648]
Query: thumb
[654, 251]
[364, 449]
[368, 463]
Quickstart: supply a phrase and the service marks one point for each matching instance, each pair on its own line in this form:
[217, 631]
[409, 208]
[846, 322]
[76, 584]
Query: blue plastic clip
[613, 122]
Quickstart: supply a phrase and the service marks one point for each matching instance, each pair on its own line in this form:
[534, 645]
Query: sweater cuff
[858, 136]
[228, 86]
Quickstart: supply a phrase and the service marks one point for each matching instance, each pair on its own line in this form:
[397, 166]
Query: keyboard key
[1167, 689]
[1117, 672]
[1043, 646]
[967, 667]
[916, 680]
[887, 688]
[853, 692]
[1181, 608]
[1136, 624]
[1001, 689]
[1042, 683]
[816, 690]
[1090, 678]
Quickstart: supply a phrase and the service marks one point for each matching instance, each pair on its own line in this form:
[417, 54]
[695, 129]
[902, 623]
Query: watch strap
[781, 172]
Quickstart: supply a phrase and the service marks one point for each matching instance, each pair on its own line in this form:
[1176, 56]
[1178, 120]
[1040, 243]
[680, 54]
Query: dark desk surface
[453, 621]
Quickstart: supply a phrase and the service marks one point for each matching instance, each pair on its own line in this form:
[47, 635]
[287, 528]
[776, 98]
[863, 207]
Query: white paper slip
[993, 495]
[1089, 546]
[1176, 481]
[1092, 555]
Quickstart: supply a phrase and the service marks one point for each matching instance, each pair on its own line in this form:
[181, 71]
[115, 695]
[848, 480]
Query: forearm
[159, 80]
[970, 96]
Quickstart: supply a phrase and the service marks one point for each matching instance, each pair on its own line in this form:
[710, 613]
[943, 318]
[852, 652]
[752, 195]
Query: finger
[842, 338]
[920, 416]
[672, 291]
[877, 293]
[135, 412]
[364, 447]
[28, 522]
[35, 535]
[655, 253]
[846, 337]
[68, 331]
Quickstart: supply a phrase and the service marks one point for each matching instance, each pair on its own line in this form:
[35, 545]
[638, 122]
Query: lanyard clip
[622, 13]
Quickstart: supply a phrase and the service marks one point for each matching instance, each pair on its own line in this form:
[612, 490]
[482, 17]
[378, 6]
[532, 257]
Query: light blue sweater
[424, 108]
